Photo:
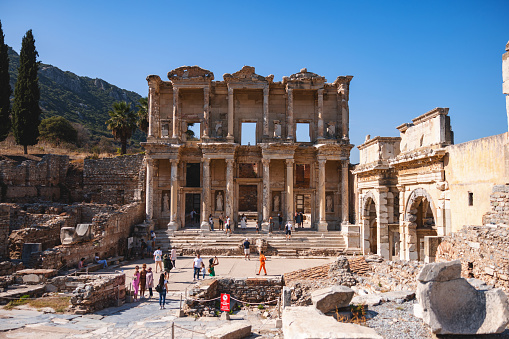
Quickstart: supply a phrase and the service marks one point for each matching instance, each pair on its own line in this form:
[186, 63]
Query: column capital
[265, 162]
[266, 90]
[151, 161]
[345, 163]
[290, 161]
[229, 161]
[320, 91]
[230, 90]
[174, 161]
[289, 90]
[206, 89]
[321, 162]
[206, 161]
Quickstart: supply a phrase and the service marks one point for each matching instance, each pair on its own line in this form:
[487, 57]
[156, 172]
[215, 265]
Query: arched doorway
[370, 224]
[420, 214]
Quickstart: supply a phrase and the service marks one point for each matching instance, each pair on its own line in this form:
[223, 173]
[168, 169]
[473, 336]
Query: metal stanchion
[172, 330]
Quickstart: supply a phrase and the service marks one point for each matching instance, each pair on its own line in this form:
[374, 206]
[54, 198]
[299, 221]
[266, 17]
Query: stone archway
[370, 224]
[420, 219]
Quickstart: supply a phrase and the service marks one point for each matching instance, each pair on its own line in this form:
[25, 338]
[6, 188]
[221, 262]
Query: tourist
[221, 222]
[197, 267]
[136, 282]
[280, 219]
[288, 230]
[81, 264]
[158, 259]
[162, 287]
[168, 265]
[213, 262]
[150, 282]
[203, 270]
[247, 253]
[243, 221]
[297, 219]
[143, 248]
[301, 219]
[228, 226]
[143, 280]
[211, 222]
[153, 239]
[262, 264]
[258, 226]
[173, 256]
[99, 261]
[271, 225]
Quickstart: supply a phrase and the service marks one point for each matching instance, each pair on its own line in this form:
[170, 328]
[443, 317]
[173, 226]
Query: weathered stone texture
[331, 298]
[116, 180]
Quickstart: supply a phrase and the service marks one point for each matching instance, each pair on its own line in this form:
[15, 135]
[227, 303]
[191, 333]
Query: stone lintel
[378, 140]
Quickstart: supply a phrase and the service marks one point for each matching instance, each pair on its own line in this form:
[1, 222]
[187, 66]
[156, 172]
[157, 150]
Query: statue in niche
[277, 129]
[331, 130]
[166, 202]
[219, 201]
[219, 129]
[276, 203]
[328, 203]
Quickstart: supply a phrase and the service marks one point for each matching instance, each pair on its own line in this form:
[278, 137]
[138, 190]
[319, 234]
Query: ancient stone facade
[280, 171]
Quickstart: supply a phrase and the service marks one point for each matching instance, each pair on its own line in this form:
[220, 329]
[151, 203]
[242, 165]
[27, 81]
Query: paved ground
[144, 319]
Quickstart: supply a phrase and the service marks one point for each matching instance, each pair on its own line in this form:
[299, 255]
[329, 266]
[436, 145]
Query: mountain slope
[78, 99]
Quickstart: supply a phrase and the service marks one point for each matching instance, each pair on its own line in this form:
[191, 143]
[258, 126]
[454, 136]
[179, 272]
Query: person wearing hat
[246, 244]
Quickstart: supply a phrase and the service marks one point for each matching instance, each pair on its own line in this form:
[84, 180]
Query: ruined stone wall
[499, 201]
[116, 180]
[484, 253]
[4, 231]
[31, 180]
[110, 230]
[465, 163]
[255, 290]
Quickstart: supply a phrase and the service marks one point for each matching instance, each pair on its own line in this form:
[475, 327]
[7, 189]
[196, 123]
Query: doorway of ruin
[420, 213]
[247, 206]
[193, 203]
[371, 221]
[303, 205]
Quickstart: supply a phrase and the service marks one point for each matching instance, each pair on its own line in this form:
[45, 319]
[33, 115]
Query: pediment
[304, 76]
[191, 73]
[247, 73]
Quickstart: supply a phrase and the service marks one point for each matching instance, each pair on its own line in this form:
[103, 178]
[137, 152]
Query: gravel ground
[392, 320]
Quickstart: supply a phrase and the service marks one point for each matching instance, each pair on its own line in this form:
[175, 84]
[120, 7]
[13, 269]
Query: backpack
[159, 289]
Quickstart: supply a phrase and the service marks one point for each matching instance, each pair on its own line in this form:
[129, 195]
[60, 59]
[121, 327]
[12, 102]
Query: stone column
[173, 224]
[266, 112]
[322, 224]
[151, 95]
[149, 199]
[382, 223]
[229, 190]
[176, 123]
[343, 94]
[266, 193]
[345, 197]
[320, 113]
[205, 199]
[402, 226]
[206, 109]
[230, 137]
[289, 190]
[289, 123]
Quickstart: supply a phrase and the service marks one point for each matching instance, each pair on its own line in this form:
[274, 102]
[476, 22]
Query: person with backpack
[161, 288]
[247, 252]
[168, 265]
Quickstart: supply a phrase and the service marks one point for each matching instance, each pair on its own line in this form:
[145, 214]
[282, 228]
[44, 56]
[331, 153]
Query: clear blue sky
[406, 57]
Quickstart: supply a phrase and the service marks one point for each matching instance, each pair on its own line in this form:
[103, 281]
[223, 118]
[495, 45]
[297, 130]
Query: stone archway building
[297, 160]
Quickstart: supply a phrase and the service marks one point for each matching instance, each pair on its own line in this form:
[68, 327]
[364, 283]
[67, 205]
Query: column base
[204, 226]
[265, 226]
[322, 226]
[230, 138]
[173, 226]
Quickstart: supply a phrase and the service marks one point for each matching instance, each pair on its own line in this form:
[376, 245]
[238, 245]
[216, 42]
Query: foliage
[261, 306]
[122, 123]
[59, 304]
[5, 89]
[58, 129]
[26, 112]
[190, 132]
[143, 114]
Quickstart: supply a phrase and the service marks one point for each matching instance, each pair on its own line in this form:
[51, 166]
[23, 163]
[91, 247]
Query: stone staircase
[303, 242]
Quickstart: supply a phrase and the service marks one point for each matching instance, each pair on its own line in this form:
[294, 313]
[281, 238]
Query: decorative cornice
[370, 142]
[190, 74]
[304, 76]
[428, 154]
[247, 74]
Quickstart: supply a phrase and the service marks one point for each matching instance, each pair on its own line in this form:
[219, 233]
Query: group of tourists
[200, 269]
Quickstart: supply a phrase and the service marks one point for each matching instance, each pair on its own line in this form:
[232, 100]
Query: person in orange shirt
[262, 264]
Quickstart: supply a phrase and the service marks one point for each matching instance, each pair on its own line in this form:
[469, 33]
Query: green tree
[57, 129]
[122, 123]
[5, 89]
[26, 111]
[143, 114]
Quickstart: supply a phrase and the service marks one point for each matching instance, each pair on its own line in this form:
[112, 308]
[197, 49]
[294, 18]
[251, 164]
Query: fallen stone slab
[393, 296]
[300, 322]
[443, 271]
[236, 330]
[330, 298]
[456, 307]
[367, 299]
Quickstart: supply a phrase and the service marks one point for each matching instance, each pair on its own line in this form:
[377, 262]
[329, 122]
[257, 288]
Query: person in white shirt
[158, 258]
[228, 226]
[197, 267]
[173, 256]
[288, 229]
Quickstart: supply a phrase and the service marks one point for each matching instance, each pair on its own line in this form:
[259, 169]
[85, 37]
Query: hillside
[78, 99]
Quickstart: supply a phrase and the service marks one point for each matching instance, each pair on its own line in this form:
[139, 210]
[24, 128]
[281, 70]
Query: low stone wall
[91, 292]
[110, 230]
[117, 180]
[483, 251]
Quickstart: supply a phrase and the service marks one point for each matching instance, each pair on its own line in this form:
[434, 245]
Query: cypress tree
[26, 111]
[5, 89]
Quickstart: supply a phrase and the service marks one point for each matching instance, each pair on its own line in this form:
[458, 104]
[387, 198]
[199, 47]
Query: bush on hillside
[57, 129]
